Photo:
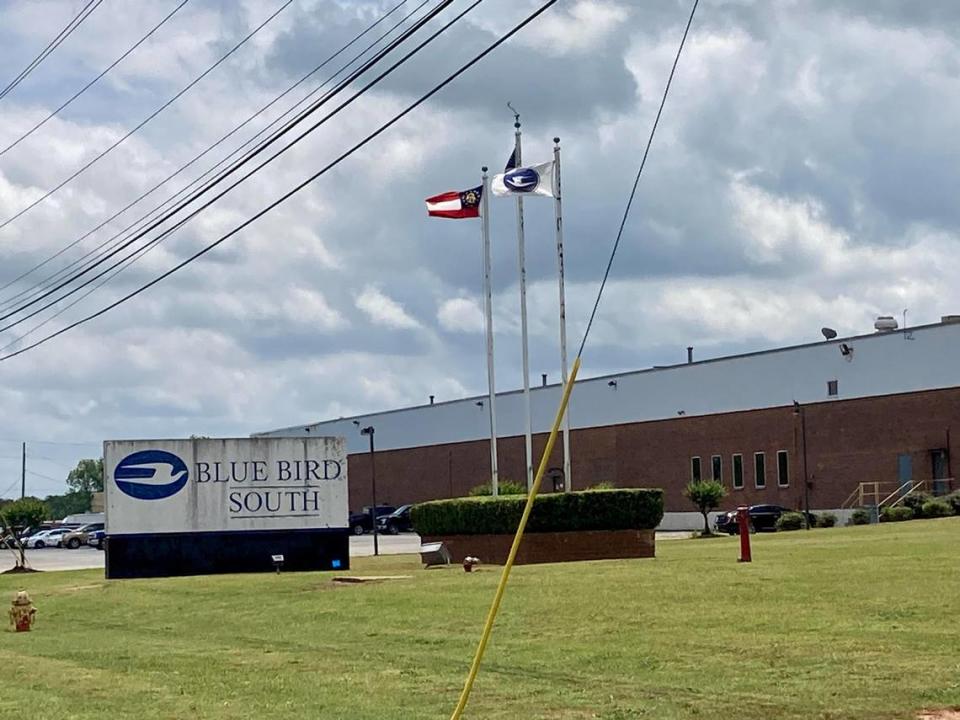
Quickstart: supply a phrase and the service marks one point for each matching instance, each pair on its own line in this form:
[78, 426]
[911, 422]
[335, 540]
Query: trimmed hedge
[633, 509]
[954, 500]
[937, 508]
[826, 520]
[915, 501]
[790, 521]
[504, 487]
[896, 514]
[859, 517]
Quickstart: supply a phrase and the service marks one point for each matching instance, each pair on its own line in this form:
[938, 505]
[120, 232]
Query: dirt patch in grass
[19, 570]
[939, 715]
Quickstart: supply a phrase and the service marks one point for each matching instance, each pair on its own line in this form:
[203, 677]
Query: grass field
[846, 623]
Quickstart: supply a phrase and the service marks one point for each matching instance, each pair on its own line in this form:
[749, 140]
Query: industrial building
[816, 419]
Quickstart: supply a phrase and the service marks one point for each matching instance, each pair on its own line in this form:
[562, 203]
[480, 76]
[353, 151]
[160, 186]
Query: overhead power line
[286, 196]
[34, 289]
[45, 477]
[18, 441]
[135, 256]
[250, 156]
[3, 495]
[636, 181]
[151, 116]
[90, 84]
[51, 46]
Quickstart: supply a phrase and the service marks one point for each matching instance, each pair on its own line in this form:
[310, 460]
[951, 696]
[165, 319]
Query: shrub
[605, 485]
[915, 502]
[826, 520]
[632, 509]
[860, 517]
[936, 508]
[954, 500]
[790, 521]
[896, 514]
[504, 487]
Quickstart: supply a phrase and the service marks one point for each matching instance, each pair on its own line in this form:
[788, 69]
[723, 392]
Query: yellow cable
[505, 575]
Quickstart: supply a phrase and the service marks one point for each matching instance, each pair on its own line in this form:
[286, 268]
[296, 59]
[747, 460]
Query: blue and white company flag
[529, 180]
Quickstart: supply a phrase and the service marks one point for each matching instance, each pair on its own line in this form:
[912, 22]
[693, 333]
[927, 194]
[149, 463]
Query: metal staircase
[879, 495]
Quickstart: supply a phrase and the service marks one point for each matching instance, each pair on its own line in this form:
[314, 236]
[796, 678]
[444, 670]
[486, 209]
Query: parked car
[396, 522]
[80, 536]
[762, 517]
[96, 539]
[46, 538]
[10, 542]
[362, 522]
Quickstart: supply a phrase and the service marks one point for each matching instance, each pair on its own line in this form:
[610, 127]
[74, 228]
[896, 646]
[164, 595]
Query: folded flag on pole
[530, 180]
[456, 205]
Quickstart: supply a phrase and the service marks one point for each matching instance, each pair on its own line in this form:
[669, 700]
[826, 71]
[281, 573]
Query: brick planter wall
[551, 547]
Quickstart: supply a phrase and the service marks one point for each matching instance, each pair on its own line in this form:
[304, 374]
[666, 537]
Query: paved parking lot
[83, 558]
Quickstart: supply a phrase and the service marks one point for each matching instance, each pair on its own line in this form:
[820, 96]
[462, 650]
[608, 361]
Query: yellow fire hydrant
[22, 612]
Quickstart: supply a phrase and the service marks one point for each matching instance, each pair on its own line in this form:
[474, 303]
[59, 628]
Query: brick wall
[847, 442]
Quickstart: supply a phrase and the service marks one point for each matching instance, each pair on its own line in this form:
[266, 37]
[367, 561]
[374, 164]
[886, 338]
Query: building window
[832, 390]
[695, 469]
[783, 468]
[737, 472]
[717, 464]
[760, 469]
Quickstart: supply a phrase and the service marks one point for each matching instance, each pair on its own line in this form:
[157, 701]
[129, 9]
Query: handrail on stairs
[914, 487]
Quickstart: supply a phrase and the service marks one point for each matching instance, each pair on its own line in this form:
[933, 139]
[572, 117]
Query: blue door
[905, 471]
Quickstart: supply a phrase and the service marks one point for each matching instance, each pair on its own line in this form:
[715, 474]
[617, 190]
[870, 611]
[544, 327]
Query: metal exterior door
[905, 471]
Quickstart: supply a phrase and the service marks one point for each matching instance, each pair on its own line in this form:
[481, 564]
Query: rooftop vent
[885, 323]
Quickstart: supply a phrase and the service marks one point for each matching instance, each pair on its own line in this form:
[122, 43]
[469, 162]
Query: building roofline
[627, 373]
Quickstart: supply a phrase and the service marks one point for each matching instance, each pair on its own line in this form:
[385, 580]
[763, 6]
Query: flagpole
[488, 312]
[558, 215]
[523, 311]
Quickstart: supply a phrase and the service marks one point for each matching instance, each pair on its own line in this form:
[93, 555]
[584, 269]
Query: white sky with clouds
[805, 174]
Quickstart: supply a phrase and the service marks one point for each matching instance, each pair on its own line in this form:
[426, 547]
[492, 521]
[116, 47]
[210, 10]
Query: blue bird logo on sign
[522, 180]
[151, 475]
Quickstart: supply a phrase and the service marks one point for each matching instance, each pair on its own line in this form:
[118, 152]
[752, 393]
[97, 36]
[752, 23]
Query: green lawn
[844, 623]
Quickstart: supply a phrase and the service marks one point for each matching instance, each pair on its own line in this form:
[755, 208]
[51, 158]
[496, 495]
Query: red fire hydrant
[743, 523]
[22, 612]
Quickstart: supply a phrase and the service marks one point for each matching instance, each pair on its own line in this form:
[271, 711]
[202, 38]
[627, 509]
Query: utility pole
[369, 431]
[23, 470]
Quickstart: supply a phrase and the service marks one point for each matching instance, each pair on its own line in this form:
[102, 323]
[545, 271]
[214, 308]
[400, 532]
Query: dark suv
[762, 517]
[396, 522]
[362, 522]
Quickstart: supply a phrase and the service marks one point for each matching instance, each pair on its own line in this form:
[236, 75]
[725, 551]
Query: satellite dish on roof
[829, 333]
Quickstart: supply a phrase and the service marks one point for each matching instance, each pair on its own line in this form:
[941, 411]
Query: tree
[706, 495]
[87, 476]
[16, 517]
[69, 504]
[24, 513]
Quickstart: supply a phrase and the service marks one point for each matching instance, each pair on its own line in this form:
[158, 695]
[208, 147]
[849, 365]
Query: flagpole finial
[516, 115]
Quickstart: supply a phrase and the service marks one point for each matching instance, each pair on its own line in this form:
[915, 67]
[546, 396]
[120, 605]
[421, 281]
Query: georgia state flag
[456, 205]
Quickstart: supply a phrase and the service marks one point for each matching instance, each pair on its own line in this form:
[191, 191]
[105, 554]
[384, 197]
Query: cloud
[802, 176]
[460, 315]
[383, 310]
